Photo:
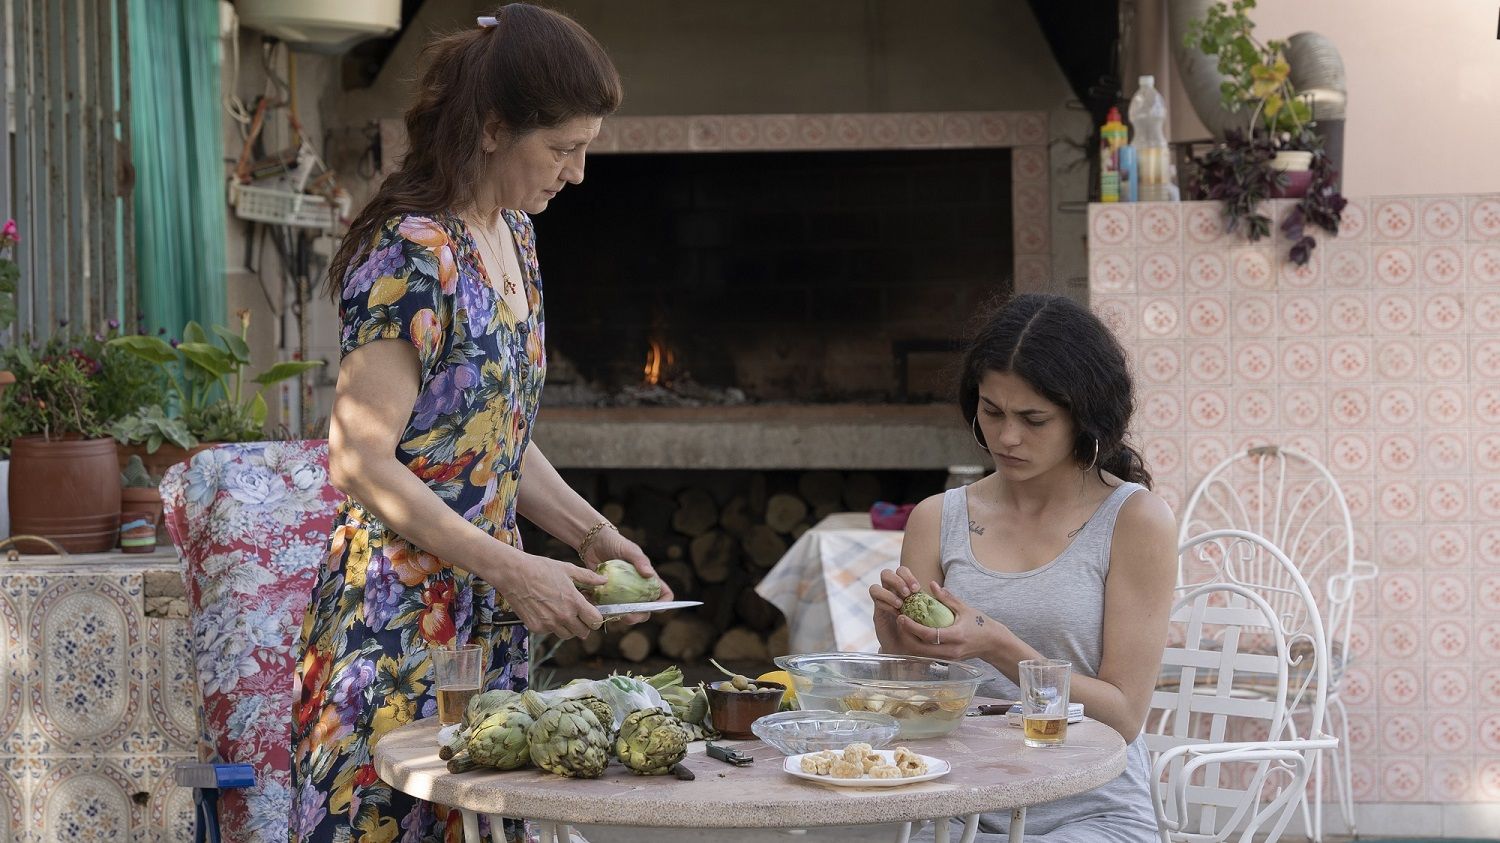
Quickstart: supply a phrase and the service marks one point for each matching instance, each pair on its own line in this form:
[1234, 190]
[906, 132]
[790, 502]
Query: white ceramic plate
[936, 767]
[613, 609]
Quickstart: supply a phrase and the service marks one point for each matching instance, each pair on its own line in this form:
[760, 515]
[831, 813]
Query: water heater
[324, 25]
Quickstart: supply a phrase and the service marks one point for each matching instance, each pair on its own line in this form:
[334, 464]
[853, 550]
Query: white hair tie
[488, 21]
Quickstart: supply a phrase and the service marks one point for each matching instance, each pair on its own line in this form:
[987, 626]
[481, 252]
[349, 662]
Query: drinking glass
[456, 673]
[1044, 701]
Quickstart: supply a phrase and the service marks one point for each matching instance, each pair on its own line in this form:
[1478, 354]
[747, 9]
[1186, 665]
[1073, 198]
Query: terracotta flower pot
[67, 490]
[142, 499]
[165, 457]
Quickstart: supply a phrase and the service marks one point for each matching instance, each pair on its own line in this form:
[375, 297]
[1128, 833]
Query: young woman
[1061, 553]
[443, 360]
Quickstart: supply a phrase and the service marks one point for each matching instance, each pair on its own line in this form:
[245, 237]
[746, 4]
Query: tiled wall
[98, 704]
[1382, 358]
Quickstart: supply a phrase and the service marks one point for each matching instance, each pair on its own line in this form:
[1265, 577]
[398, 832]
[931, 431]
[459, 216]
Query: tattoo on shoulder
[978, 620]
[975, 528]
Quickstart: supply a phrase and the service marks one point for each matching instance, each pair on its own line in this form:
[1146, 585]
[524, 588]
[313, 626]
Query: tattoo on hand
[975, 529]
[978, 621]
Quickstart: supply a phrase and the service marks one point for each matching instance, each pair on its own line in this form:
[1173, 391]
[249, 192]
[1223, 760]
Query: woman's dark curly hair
[1070, 358]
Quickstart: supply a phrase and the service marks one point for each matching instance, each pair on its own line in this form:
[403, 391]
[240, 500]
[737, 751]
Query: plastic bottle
[1153, 157]
[1130, 175]
[1112, 136]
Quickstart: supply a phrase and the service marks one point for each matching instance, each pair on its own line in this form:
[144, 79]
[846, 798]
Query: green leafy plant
[53, 395]
[150, 425]
[207, 383]
[1239, 171]
[10, 273]
[135, 475]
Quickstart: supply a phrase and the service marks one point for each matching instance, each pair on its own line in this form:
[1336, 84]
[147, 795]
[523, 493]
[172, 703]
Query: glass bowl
[796, 732]
[928, 697]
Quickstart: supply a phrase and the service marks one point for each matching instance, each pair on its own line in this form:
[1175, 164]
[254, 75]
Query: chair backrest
[251, 522]
[1292, 500]
[1246, 648]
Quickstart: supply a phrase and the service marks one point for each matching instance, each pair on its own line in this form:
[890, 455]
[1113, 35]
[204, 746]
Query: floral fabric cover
[251, 521]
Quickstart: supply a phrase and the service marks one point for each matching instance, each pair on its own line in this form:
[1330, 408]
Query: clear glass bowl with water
[927, 697]
[796, 732]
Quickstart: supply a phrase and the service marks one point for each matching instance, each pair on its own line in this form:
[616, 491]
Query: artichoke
[625, 585]
[651, 742]
[602, 711]
[927, 611]
[487, 703]
[498, 741]
[566, 739]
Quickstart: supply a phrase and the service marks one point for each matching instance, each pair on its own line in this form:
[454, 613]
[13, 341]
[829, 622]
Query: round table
[992, 771]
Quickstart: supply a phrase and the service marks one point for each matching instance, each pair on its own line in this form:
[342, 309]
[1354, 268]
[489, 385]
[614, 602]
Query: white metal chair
[1247, 647]
[1292, 500]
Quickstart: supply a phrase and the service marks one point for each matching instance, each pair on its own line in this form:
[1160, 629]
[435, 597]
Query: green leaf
[193, 332]
[259, 410]
[153, 443]
[286, 369]
[153, 349]
[237, 345]
[208, 358]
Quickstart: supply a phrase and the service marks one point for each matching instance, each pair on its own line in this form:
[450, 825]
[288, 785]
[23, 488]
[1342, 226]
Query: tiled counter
[99, 698]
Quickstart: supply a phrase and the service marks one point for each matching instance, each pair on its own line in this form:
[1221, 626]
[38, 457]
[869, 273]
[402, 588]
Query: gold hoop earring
[977, 441]
[1095, 461]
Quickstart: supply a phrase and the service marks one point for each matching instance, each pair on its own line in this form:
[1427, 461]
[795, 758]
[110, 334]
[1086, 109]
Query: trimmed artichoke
[479, 708]
[498, 741]
[927, 611]
[602, 711]
[566, 739]
[651, 742]
[625, 585]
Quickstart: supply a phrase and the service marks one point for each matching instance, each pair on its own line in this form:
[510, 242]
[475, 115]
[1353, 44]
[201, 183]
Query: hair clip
[488, 21]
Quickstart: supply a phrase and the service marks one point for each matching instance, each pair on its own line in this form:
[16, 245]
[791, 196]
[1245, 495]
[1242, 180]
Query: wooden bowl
[732, 712]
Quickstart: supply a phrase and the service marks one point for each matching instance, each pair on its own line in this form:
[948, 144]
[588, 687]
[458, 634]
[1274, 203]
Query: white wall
[1424, 89]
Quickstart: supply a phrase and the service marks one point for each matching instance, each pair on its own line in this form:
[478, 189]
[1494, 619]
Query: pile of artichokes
[504, 730]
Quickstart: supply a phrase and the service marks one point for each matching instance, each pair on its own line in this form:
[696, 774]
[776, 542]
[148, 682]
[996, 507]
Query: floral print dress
[380, 602]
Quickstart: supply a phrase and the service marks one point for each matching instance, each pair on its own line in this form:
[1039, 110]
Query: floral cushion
[251, 521]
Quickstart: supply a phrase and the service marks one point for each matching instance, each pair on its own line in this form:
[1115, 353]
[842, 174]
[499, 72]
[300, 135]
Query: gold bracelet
[589, 537]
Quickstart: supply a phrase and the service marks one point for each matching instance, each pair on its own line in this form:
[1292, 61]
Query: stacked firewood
[715, 549]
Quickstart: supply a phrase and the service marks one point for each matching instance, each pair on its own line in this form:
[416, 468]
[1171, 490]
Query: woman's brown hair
[534, 69]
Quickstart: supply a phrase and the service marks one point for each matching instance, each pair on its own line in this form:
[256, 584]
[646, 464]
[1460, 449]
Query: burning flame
[659, 360]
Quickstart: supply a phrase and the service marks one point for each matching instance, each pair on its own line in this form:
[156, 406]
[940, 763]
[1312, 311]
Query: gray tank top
[1058, 609]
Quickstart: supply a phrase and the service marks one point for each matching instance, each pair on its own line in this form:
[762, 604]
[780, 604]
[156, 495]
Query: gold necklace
[509, 285]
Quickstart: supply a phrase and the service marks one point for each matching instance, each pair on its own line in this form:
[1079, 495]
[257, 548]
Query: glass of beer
[1044, 701]
[456, 673]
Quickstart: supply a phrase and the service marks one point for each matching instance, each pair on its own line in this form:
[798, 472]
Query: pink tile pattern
[1383, 357]
[99, 702]
[1025, 133]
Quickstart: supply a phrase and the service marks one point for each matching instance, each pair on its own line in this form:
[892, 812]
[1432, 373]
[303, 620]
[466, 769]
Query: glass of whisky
[456, 673]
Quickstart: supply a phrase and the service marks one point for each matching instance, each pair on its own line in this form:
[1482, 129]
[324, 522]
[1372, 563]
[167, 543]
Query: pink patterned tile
[1487, 405]
[1111, 225]
[1301, 359]
[1359, 686]
[1487, 545]
[1161, 317]
[1361, 638]
[1400, 640]
[1254, 409]
[1204, 451]
[1446, 452]
[1447, 594]
[1159, 271]
[1351, 452]
[1395, 266]
[1362, 730]
[1163, 456]
[1397, 453]
[1401, 733]
[1347, 314]
[1206, 270]
[1117, 312]
[1203, 224]
[1487, 640]
[1393, 218]
[1349, 407]
[1304, 277]
[1444, 360]
[1348, 266]
[1442, 313]
[1160, 224]
[1442, 265]
[1362, 779]
[1395, 313]
[1484, 357]
[1443, 406]
[1396, 359]
[1447, 640]
[1400, 686]
[1399, 500]
[1488, 780]
[1309, 442]
[1396, 405]
[1399, 547]
[1487, 594]
[1301, 408]
[1400, 591]
[1253, 314]
[1208, 365]
[996, 130]
[1354, 224]
[1450, 778]
[1488, 686]
[1448, 687]
[1254, 360]
[1489, 734]
[1349, 360]
[1447, 545]
[1487, 497]
[1442, 218]
[1301, 314]
[1207, 408]
[1030, 163]
[1251, 268]
[1484, 312]
[1484, 217]
[1207, 317]
[1160, 362]
[1160, 409]
[1487, 452]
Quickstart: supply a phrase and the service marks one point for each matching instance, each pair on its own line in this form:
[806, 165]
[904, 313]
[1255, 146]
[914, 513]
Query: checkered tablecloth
[822, 584]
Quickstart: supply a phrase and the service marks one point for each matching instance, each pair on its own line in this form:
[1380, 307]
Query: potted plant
[207, 388]
[140, 495]
[10, 274]
[1277, 154]
[64, 481]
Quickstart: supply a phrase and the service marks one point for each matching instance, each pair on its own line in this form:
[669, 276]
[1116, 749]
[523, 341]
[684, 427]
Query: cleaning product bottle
[1153, 157]
[1112, 136]
[1130, 175]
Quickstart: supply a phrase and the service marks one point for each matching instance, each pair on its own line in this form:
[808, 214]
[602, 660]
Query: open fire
[660, 361]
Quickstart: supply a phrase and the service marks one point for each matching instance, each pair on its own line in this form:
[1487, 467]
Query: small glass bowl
[796, 732]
